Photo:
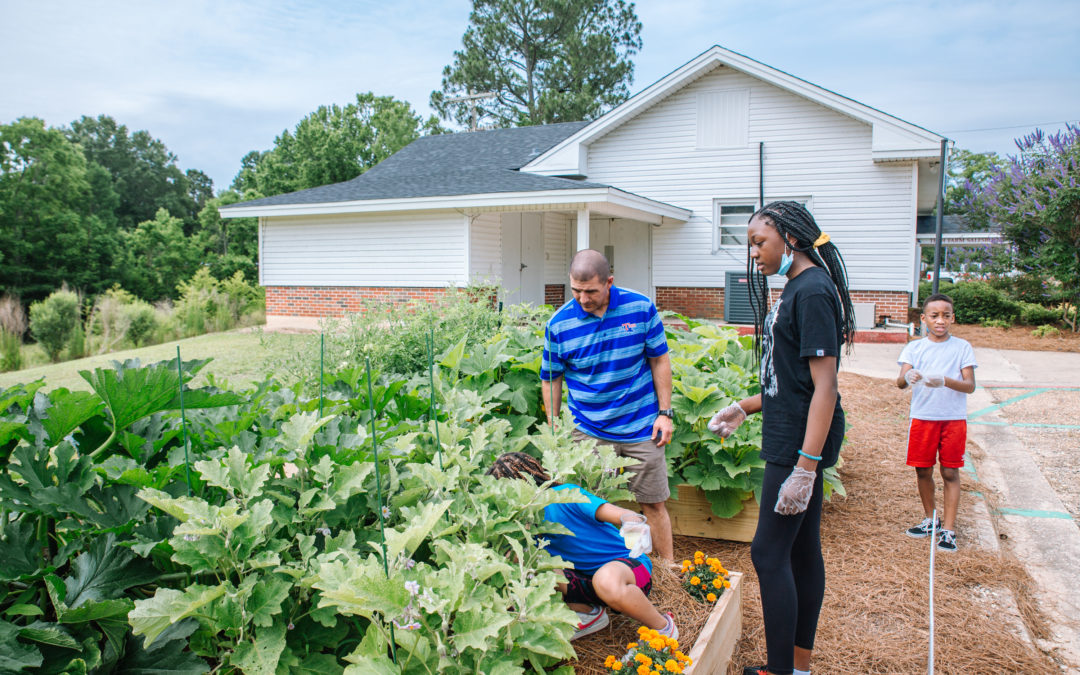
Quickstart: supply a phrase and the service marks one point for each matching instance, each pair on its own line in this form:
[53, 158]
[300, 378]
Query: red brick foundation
[893, 304]
[694, 302]
[320, 301]
[554, 294]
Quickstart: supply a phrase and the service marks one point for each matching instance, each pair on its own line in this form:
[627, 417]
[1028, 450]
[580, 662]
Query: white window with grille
[730, 218]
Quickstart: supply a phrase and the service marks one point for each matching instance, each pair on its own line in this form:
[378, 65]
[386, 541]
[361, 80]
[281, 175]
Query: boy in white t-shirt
[940, 369]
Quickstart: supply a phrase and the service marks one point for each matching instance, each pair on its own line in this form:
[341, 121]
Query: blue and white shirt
[604, 361]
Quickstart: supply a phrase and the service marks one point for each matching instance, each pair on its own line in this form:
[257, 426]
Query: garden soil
[1017, 337]
[875, 616]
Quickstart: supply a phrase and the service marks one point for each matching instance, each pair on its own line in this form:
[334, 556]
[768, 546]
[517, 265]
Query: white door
[523, 258]
[625, 243]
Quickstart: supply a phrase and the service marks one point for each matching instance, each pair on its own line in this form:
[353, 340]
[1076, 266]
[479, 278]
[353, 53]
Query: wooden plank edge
[729, 610]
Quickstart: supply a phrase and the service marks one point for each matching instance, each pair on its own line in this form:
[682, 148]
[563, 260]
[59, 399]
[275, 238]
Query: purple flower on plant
[412, 587]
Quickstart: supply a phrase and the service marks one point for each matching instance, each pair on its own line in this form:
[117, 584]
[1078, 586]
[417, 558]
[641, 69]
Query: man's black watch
[667, 412]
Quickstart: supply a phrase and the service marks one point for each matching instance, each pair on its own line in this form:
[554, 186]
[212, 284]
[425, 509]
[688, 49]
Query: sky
[216, 79]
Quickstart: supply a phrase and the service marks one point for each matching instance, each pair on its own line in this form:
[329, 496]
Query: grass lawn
[238, 357]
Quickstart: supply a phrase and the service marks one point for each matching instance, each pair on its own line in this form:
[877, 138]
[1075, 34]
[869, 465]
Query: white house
[663, 184]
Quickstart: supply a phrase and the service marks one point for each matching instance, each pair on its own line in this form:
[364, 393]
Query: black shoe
[755, 670]
[946, 541]
[923, 529]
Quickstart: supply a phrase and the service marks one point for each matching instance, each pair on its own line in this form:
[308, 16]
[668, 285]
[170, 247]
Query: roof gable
[893, 138]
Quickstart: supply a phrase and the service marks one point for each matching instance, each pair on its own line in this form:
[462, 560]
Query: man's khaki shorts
[648, 481]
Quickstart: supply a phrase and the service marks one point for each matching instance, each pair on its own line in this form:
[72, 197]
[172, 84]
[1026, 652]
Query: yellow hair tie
[822, 240]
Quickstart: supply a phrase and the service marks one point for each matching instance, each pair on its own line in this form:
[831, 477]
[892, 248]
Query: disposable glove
[933, 381]
[795, 492]
[725, 422]
[912, 377]
[636, 534]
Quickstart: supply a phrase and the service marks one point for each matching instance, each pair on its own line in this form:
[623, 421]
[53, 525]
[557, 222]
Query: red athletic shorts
[930, 439]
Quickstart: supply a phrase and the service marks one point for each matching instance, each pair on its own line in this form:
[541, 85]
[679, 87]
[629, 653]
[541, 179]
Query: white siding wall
[426, 249]
[810, 151]
[486, 243]
[556, 247]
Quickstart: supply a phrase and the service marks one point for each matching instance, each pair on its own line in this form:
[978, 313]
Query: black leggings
[791, 573]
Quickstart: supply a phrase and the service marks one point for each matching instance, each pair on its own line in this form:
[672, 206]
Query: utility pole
[472, 99]
[940, 215]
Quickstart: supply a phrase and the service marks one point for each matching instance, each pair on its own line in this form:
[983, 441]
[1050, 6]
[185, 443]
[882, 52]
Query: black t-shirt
[803, 323]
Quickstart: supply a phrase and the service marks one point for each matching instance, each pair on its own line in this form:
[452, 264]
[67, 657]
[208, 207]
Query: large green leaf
[67, 410]
[153, 615]
[48, 634]
[726, 502]
[131, 391]
[15, 656]
[266, 598]
[419, 526]
[19, 551]
[261, 656]
[104, 572]
[166, 656]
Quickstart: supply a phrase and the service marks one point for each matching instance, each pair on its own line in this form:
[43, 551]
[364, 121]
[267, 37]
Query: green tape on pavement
[1035, 513]
[999, 406]
[1031, 425]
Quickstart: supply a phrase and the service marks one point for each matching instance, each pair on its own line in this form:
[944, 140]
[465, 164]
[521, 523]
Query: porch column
[582, 229]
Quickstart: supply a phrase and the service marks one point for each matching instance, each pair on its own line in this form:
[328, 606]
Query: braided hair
[792, 218]
[522, 466]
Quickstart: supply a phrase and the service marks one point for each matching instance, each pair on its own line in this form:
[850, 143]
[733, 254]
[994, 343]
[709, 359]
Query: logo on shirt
[629, 326]
[821, 352]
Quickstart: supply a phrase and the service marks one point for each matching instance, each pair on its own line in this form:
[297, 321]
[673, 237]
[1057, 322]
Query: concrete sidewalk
[1030, 518]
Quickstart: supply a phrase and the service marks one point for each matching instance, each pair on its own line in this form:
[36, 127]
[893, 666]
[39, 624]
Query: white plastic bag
[636, 534]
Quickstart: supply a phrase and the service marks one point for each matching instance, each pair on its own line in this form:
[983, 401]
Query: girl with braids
[606, 571]
[798, 340]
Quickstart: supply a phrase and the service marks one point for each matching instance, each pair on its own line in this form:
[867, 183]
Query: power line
[1015, 126]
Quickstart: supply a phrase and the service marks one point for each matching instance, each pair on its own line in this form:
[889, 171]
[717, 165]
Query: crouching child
[606, 572]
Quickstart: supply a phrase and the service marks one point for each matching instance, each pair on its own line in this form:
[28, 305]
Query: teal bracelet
[816, 459]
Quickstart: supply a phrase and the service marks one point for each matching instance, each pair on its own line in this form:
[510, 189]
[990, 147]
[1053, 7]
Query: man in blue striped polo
[608, 344]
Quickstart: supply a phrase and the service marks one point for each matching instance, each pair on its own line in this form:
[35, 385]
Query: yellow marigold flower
[609, 661]
[711, 561]
[727, 584]
[617, 666]
[673, 643]
[643, 630]
[671, 665]
[643, 659]
[699, 558]
[711, 597]
[657, 643]
[695, 580]
[718, 583]
[679, 655]
[631, 645]
[686, 563]
[643, 670]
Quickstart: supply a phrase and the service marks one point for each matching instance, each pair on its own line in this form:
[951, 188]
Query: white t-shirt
[946, 358]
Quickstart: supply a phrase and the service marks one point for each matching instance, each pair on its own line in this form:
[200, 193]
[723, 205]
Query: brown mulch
[1017, 337]
[875, 617]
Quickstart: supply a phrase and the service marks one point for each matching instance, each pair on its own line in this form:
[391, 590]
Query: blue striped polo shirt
[604, 364]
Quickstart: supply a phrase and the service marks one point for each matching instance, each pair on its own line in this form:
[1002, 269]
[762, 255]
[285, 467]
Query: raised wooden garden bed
[716, 642]
[692, 516]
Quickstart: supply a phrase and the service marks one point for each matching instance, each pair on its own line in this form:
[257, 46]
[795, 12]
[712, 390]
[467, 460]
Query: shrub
[77, 343]
[53, 320]
[142, 321]
[1045, 331]
[12, 328]
[994, 323]
[1037, 315]
[978, 300]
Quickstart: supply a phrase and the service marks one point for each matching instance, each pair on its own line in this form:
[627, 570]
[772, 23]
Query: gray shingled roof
[477, 162]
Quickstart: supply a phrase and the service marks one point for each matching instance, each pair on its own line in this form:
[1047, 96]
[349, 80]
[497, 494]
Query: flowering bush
[706, 579]
[652, 654]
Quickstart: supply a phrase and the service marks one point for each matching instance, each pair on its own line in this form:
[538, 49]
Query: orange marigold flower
[718, 583]
[673, 643]
[686, 563]
[609, 661]
[727, 584]
[617, 666]
[711, 597]
[631, 645]
[695, 580]
[672, 666]
[643, 659]
[643, 670]
[657, 643]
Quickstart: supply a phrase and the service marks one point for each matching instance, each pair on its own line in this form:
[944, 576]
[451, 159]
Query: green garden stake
[431, 378]
[378, 491]
[322, 350]
[183, 420]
